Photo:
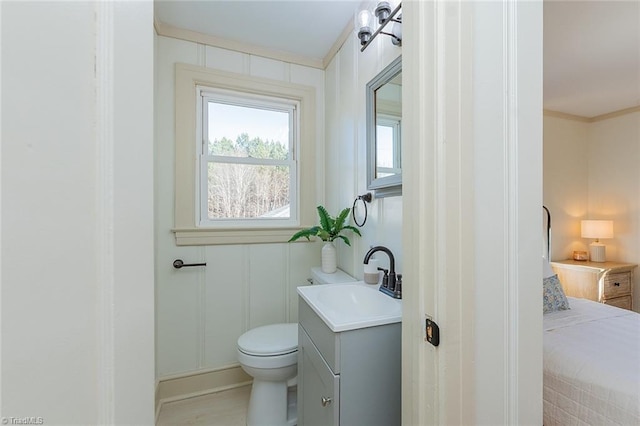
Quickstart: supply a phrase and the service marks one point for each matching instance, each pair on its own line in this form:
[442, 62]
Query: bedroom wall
[614, 186]
[591, 171]
[202, 311]
[565, 182]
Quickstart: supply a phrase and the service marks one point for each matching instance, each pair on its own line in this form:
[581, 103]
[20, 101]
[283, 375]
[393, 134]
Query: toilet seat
[270, 340]
[267, 362]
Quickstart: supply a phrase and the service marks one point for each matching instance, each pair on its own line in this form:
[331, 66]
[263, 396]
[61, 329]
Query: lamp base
[597, 252]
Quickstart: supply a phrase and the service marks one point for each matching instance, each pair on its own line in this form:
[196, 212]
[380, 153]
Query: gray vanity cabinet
[349, 378]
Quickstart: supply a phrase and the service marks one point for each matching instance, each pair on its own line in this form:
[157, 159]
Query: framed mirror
[384, 131]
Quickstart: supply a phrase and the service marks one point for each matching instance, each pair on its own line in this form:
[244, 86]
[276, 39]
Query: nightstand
[605, 282]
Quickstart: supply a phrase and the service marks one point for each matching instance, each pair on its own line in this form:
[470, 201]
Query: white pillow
[546, 269]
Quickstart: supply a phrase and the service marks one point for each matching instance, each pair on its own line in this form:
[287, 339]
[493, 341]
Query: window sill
[203, 237]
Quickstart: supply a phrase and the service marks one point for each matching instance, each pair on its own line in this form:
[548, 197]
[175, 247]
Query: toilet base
[272, 404]
[292, 406]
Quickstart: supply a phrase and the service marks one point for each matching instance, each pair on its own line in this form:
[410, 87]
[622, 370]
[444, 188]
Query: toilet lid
[275, 339]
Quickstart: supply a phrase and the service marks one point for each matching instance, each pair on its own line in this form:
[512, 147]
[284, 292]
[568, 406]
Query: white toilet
[269, 354]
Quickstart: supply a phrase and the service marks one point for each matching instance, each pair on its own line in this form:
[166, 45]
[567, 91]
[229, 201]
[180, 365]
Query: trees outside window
[248, 159]
[245, 157]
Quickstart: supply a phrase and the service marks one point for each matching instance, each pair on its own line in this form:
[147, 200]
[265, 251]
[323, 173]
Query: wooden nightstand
[605, 282]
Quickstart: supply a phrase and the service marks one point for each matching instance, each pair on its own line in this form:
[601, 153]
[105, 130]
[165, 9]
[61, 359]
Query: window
[248, 167]
[241, 142]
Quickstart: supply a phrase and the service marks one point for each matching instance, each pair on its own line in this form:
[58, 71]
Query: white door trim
[125, 322]
[105, 210]
[472, 75]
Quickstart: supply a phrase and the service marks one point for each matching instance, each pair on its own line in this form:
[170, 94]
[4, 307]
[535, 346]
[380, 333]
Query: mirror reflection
[384, 131]
[388, 127]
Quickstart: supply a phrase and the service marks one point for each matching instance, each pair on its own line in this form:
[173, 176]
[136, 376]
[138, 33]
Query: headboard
[547, 220]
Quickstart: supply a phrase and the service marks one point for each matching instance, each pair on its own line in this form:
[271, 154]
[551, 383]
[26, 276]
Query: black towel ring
[365, 198]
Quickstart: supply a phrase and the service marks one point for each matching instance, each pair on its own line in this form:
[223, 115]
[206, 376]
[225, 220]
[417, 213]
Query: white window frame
[291, 107]
[188, 228]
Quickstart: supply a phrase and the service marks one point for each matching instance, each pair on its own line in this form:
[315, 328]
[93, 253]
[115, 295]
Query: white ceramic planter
[329, 258]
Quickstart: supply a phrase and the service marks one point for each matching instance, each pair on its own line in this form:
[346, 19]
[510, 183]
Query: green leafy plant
[330, 228]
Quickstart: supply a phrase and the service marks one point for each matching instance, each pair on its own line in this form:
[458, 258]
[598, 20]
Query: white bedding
[591, 365]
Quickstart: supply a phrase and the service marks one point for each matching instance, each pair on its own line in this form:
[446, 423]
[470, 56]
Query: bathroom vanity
[349, 370]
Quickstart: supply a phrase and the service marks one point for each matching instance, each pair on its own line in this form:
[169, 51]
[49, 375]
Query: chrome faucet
[391, 283]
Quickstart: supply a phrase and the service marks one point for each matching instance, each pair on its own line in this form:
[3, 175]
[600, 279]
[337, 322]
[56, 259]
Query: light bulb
[362, 25]
[363, 19]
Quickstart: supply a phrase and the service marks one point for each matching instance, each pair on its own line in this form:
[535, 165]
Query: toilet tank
[319, 277]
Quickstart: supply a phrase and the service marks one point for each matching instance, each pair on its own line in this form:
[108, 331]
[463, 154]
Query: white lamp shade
[597, 229]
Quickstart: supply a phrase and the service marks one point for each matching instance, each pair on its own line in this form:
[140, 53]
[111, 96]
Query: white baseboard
[189, 385]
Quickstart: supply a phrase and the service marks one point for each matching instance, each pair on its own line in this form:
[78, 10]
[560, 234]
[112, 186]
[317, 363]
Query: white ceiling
[591, 56]
[591, 48]
[307, 28]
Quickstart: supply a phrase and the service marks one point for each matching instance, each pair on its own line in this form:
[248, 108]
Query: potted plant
[330, 229]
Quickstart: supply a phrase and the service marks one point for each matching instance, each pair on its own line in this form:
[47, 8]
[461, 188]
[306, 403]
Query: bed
[591, 360]
[591, 365]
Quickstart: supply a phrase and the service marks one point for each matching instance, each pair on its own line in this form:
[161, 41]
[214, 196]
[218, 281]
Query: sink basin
[350, 306]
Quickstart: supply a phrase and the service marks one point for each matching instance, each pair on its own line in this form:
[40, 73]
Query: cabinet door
[318, 387]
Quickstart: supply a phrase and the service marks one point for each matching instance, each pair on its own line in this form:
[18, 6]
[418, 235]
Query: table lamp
[597, 229]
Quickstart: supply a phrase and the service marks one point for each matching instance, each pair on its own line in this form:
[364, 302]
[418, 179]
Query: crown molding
[601, 117]
[564, 115]
[167, 30]
[346, 33]
[614, 114]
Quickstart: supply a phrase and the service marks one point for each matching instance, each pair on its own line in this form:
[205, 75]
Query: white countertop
[353, 305]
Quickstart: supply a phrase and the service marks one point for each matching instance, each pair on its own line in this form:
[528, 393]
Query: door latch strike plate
[432, 332]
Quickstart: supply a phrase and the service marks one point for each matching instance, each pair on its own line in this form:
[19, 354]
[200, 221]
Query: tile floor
[228, 408]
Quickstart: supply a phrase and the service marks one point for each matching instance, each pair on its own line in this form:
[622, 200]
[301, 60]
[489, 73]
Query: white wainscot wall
[201, 312]
[346, 78]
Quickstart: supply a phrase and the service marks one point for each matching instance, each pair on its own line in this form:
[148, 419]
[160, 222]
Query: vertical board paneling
[266, 284]
[269, 68]
[225, 60]
[332, 112]
[307, 76]
[178, 347]
[346, 141]
[201, 312]
[346, 78]
[224, 315]
[302, 257]
[177, 304]
[316, 78]
[189, 337]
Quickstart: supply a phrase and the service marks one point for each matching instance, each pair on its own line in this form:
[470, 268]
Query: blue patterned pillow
[553, 298]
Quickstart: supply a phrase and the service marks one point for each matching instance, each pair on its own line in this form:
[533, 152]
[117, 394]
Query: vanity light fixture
[597, 229]
[364, 24]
